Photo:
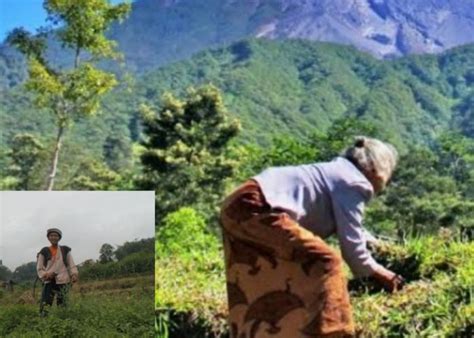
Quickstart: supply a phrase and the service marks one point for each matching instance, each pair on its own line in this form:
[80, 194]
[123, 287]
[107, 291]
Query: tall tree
[75, 93]
[106, 253]
[184, 158]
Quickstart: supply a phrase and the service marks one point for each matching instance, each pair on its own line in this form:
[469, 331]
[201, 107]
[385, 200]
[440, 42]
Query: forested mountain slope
[291, 87]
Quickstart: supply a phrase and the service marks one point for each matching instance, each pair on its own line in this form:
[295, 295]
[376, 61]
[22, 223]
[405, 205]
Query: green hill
[291, 87]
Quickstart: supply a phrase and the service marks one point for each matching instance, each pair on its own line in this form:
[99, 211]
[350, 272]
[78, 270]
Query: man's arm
[40, 268]
[74, 272]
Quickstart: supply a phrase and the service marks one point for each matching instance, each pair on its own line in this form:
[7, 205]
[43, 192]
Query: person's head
[376, 159]
[54, 235]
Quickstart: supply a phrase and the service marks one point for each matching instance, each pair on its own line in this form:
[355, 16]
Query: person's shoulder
[44, 251]
[347, 176]
[66, 248]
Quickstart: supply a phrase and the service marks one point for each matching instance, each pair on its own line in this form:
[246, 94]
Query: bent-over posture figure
[283, 280]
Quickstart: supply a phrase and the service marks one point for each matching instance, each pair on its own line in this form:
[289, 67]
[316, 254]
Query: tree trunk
[76, 58]
[54, 164]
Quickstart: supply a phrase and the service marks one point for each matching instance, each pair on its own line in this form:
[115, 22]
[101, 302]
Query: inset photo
[77, 264]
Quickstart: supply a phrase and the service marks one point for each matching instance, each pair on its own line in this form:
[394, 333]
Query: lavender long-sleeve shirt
[325, 198]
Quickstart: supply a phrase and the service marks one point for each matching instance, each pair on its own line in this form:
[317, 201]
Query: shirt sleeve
[41, 271]
[72, 266]
[348, 205]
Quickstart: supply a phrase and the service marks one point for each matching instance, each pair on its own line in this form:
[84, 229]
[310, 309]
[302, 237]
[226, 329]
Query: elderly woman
[283, 280]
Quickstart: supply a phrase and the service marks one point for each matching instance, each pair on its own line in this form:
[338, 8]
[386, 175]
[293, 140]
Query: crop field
[108, 308]
[437, 300]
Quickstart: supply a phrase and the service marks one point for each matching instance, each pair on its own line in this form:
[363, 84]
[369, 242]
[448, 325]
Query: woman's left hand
[389, 279]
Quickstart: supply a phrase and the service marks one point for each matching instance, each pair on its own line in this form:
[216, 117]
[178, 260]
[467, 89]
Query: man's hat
[56, 230]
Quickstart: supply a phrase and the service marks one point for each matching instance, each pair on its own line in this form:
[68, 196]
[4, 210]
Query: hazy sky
[87, 220]
[23, 13]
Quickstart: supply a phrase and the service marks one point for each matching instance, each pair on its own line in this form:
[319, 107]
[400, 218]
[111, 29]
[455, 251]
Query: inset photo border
[85, 257]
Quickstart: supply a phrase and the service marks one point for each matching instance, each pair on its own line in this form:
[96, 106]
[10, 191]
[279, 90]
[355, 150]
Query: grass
[112, 308]
[436, 302]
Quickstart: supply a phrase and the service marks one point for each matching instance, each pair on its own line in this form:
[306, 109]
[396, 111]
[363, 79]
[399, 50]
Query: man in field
[57, 271]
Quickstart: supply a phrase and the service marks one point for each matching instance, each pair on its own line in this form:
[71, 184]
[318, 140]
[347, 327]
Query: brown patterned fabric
[282, 280]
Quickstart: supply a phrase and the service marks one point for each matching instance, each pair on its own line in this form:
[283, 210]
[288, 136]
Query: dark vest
[47, 254]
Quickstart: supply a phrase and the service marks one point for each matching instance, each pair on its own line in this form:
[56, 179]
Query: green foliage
[184, 151]
[71, 94]
[292, 87]
[26, 151]
[131, 258]
[189, 269]
[85, 23]
[285, 150]
[184, 226]
[12, 68]
[106, 253]
[340, 135]
[5, 273]
[463, 118]
[440, 273]
[282, 88]
[94, 315]
[430, 189]
[133, 264]
[117, 152]
[456, 154]
[25, 272]
[128, 248]
[95, 175]
[444, 293]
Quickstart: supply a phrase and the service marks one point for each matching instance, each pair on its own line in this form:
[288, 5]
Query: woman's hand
[389, 280]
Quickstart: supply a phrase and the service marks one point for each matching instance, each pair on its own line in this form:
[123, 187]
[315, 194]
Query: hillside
[290, 87]
[294, 86]
[286, 86]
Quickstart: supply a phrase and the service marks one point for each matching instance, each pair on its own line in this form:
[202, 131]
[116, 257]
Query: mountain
[159, 32]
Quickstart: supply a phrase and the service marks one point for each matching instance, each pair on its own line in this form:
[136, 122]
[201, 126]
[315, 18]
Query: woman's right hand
[389, 279]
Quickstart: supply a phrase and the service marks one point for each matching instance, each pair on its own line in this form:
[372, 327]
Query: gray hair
[372, 155]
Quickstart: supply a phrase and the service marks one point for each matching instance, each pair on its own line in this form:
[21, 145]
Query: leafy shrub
[183, 234]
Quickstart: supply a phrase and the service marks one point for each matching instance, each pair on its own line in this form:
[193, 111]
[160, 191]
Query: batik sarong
[282, 280]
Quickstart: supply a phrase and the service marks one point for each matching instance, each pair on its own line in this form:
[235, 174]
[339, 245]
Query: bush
[183, 234]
